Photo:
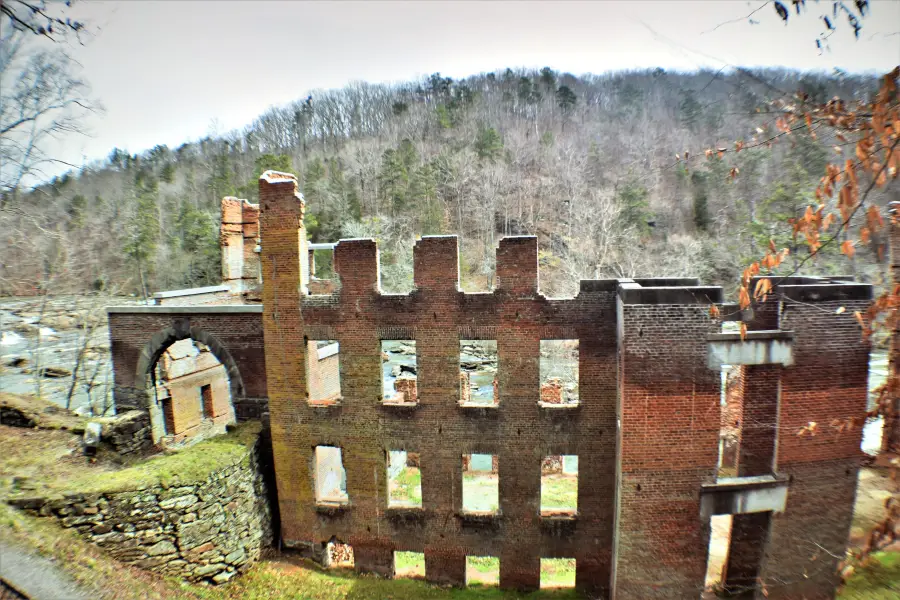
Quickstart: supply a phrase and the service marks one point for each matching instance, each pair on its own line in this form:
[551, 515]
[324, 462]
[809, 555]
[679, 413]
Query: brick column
[668, 441]
[281, 221]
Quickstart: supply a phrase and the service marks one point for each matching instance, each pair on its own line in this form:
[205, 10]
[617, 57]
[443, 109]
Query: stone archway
[155, 348]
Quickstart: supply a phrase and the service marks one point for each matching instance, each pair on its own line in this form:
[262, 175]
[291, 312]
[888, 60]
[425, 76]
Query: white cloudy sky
[165, 70]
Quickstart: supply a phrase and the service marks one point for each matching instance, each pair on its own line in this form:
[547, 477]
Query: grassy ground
[406, 488]
[482, 570]
[39, 462]
[880, 580]
[557, 572]
[559, 493]
[409, 565]
[481, 492]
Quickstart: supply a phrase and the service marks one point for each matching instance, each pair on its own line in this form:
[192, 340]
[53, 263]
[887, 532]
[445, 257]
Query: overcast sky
[165, 70]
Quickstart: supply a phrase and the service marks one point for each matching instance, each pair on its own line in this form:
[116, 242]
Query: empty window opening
[331, 478]
[404, 479]
[399, 372]
[481, 484]
[559, 485]
[557, 572]
[206, 401]
[719, 543]
[731, 402]
[322, 278]
[323, 371]
[559, 372]
[478, 373]
[338, 555]
[409, 565]
[168, 417]
[482, 570]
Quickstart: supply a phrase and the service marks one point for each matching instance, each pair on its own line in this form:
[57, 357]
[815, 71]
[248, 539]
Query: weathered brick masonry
[645, 429]
[140, 334]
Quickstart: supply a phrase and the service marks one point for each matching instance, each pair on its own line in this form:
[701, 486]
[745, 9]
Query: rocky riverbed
[58, 348]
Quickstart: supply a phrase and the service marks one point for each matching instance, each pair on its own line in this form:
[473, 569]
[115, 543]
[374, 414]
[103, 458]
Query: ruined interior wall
[182, 370]
[520, 432]
[323, 375]
[239, 231]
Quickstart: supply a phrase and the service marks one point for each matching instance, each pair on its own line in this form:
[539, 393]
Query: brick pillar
[356, 263]
[518, 383]
[238, 232]
[436, 277]
[668, 441]
[827, 383]
[281, 221]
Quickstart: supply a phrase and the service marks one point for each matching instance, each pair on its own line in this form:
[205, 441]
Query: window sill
[332, 508]
[559, 515]
[479, 409]
[479, 516]
[405, 514]
[566, 406]
[400, 405]
[327, 403]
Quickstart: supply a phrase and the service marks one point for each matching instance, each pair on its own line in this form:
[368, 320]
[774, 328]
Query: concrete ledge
[598, 285]
[632, 294]
[187, 310]
[329, 350]
[667, 281]
[768, 347]
[212, 289]
[743, 495]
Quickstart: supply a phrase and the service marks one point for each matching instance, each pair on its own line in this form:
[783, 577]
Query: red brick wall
[139, 336]
[827, 383]
[669, 406]
[520, 433]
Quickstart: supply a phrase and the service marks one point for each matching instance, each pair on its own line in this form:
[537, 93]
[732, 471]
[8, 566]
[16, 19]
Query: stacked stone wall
[206, 531]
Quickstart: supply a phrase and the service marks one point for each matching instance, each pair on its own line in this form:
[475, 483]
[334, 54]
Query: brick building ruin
[640, 429]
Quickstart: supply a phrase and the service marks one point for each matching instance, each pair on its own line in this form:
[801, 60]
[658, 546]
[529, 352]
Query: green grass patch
[878, 580]
[190, 465]
[557, 572]
[482, 570]
[480, 492]
[406, 488]
[559, 493]
[409, 564]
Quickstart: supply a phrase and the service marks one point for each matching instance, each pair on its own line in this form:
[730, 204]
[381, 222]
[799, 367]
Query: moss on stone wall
[190, 465]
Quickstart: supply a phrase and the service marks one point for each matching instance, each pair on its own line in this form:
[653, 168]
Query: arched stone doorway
[191, 401]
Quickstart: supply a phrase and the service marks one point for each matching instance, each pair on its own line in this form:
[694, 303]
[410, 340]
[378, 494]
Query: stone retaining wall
[210, 530]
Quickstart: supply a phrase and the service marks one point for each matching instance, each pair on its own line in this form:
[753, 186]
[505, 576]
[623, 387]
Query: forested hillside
[586, 163]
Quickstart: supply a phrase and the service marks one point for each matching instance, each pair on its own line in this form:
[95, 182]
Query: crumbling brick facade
[643, 353]
[239, 234]
[645, 428]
